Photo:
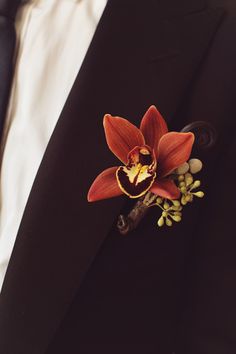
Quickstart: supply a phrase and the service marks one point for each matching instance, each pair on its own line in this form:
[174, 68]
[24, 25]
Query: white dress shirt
[53, 37]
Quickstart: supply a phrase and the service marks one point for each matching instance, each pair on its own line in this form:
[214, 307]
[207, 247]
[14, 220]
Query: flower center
[137, 177]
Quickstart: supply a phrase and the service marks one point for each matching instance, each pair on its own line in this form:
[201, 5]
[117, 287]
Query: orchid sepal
[104, 186]
[121, 136]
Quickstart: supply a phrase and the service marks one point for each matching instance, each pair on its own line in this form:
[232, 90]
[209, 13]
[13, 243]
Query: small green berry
[195, 165]
[160, 222]
[175, 208]
[196, 184]
[178, 213]
[168, 222]
[176, 203]
[182, 169]
[183, 200]
[181, 178]
[176, 218]
[188, 179]
[199, 194]
[183, 190]
[188, 198]
[159, 200]
[166, 205]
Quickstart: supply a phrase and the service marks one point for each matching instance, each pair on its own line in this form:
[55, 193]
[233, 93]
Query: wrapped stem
[128, 223]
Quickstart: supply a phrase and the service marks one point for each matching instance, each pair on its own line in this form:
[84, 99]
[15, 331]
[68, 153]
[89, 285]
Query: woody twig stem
[128, 223]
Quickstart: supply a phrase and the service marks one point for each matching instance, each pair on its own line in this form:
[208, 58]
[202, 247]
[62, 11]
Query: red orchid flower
[149, 155]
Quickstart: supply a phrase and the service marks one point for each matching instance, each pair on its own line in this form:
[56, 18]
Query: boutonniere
[155, 169]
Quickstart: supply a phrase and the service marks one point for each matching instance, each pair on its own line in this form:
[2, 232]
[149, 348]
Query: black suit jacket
[74, 285]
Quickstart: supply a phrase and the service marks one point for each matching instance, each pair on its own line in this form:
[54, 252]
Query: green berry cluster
[187, 187]
[171, 211]
[183, 177]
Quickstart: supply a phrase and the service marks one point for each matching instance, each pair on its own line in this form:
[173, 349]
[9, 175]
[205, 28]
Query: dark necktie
[7, 45]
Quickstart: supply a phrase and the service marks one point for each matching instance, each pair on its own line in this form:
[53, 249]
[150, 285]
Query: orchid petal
[165, 188]
[174, 149]
[122, 136]
[105, 186]
[153, 127]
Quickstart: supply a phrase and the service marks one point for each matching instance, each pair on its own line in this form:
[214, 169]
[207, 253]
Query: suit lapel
[136, 58]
